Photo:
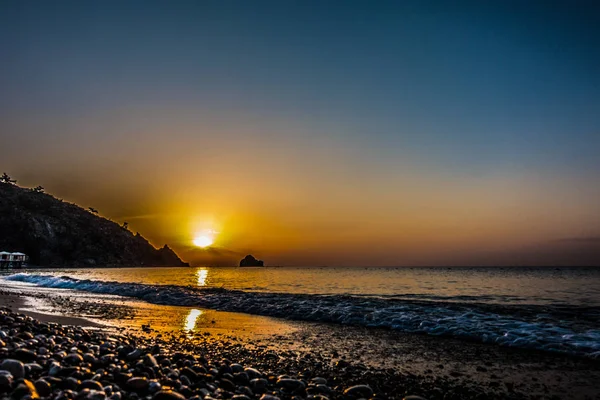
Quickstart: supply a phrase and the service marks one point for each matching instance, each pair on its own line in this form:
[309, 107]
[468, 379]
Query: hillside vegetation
[60, 234]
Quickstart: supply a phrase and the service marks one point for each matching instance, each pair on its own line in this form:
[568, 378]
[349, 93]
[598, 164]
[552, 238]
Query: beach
[299, 359]
[300, 200]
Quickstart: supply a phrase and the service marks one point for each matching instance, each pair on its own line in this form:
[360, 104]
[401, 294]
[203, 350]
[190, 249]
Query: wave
[571, 330]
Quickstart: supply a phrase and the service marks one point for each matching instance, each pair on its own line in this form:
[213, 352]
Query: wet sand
[434, 367]
[18, 304]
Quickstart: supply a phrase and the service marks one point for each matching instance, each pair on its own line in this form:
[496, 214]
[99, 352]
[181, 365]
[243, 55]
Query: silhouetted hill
[56, 233]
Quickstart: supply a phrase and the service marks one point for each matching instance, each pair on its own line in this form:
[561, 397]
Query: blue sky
[459, 93]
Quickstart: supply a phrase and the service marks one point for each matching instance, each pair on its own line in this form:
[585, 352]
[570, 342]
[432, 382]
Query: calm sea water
[568, 286]
[553, 309]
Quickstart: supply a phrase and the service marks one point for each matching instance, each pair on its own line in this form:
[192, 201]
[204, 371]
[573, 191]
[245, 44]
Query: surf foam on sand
[534, 327]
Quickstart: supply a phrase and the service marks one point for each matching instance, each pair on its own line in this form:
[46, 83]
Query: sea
[544, 308]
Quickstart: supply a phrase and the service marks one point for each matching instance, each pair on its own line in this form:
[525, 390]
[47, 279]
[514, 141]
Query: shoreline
[427, 362]
[17, 303]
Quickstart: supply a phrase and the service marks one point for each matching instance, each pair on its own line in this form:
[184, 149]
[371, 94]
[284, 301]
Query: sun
[203, 241]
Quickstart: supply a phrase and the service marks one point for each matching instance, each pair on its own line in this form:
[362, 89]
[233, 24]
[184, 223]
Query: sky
[315, 132]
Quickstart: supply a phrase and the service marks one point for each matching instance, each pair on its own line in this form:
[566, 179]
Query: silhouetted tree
[7, 179]
[125, 225]
[93, 210]
[38, 189]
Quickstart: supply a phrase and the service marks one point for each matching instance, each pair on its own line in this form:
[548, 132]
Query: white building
[12, 260]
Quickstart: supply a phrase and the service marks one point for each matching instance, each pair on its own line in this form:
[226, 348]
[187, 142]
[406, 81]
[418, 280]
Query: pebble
[73, 359]
[190, 373]
[25, 355]
[167, 395]
[43, 387]
[96, 395]
[226, 384]
[25, 388]
[154, 386]
[134, 355]
[138, 384]
[15, 367]
[236, 367]
[71, 363]
[92, 385]
[291, 384]
[115, 396]
[259, 384]
[359, 391]
[150, 361]
[269, 397]
[319, 381]
[33, 368]
[6, 381]
[253, 373]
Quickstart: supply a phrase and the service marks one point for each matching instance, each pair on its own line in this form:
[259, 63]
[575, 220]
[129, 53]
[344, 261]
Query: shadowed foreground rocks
[56, 233]
[52, 361]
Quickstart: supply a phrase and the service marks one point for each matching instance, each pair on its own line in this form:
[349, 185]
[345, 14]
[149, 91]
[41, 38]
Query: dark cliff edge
[54, 233]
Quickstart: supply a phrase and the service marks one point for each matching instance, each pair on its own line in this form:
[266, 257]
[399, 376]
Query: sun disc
[203, 241]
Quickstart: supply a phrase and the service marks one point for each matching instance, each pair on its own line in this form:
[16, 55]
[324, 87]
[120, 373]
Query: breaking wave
[572, 330]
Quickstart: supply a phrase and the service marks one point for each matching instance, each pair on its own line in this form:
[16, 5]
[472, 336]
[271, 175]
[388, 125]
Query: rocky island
[55, 233]
[250, 261]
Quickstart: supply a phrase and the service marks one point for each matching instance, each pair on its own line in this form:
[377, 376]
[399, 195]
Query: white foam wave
[507, 327]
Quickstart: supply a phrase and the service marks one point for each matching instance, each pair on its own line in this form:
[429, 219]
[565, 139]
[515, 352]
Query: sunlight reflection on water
[202, 274]
[190, 321]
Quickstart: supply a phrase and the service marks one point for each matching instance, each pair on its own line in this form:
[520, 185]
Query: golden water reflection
[190, 321]
[202, 273]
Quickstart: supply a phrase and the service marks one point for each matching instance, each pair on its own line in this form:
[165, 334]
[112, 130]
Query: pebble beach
[81, 359]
